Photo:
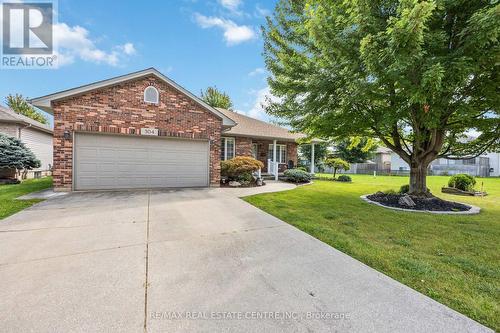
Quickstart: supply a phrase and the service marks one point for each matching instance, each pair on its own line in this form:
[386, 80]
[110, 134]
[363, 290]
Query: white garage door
[123, 162]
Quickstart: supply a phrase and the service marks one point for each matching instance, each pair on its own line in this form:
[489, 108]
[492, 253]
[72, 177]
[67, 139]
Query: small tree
[355, 150]
[216, 98]
[14, 155]
[337, 164]
[19, 105]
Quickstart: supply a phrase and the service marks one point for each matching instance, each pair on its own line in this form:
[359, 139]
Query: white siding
[494, 164]
[40, 144]
[397, 163]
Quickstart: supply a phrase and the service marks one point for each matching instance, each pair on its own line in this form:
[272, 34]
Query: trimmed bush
[297, 176]
[240, 165]
[344, 178]
[462, 181]
[301, 168]
[404, 189]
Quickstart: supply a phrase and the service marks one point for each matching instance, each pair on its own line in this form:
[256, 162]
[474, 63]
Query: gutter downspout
[21, 128]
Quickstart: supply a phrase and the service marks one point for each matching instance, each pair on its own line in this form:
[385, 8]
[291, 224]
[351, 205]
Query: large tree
[216, 98]
[19, 105]
[355, 150]
[418, 75]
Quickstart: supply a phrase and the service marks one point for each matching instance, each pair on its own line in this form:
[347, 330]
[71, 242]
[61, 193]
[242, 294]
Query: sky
[196, 43]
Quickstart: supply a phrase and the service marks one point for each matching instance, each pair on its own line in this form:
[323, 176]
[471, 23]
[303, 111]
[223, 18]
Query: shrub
[337, 164]
[245, 178]
[404, 189]
[297, 176]
[462, 181]
[301, 168]
[240, 165]
[344, 178]
[14, 155]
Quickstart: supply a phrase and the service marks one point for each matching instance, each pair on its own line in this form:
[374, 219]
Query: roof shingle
[250, 127]
[7, 115]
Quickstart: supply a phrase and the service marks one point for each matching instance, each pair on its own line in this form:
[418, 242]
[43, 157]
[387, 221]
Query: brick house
[143, 130]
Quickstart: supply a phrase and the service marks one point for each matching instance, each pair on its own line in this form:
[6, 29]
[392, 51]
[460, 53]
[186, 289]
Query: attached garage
[138, 130]
[103, 162]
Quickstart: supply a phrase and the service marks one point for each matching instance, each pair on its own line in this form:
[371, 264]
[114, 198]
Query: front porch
[277, 154]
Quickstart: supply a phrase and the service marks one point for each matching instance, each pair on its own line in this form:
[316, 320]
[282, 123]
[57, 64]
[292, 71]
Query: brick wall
[121, 109]
[243, 146]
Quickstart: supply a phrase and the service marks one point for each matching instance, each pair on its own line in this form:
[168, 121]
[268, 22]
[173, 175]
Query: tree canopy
[355, 150]
[19, 105]
[420, 76]
[15, 155]
[216, 98]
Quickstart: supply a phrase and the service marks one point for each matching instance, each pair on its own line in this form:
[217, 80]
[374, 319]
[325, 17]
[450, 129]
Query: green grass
[8, 194]
[453, 259]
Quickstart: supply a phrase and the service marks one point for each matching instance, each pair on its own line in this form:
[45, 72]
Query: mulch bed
[430, 204]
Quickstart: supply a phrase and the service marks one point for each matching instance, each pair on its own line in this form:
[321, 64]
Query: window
[151, 95]
[255, 150]
[227, 149]
[280, 153]
[470, 161]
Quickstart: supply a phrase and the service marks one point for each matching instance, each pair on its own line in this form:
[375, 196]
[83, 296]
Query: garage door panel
[120, 162]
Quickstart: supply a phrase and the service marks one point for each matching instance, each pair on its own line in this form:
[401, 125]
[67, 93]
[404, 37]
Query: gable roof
[254, 128]
[9, 116]
[44, 102]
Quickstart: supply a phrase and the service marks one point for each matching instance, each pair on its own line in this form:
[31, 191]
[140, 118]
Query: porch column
[274, 161]
[312, 158]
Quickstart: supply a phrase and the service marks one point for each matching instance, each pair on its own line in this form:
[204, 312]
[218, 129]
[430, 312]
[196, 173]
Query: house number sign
[149, 131]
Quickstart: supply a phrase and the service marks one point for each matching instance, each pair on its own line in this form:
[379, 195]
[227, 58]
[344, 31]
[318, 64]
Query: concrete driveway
[191, 260]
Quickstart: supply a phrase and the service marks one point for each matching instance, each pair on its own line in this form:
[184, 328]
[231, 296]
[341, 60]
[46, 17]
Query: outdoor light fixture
[67, 135]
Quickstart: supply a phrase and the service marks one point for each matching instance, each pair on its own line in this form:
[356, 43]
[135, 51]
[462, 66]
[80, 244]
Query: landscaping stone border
[473, 209]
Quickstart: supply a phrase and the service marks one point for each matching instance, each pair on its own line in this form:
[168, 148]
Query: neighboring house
[494, 159]
[381, 164]
[142, 130]
[35, 135]
[478, 166]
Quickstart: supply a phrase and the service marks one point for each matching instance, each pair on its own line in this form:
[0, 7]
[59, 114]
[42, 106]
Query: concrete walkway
[191, 261]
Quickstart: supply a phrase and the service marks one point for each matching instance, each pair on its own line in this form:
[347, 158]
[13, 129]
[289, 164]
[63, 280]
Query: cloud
[257, 71]
[233, 33]
[75, 43]
[261, 12]
[261, 101]
[128, 49]
[231, 5]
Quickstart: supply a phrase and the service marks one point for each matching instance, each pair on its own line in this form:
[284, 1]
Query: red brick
[120, 109]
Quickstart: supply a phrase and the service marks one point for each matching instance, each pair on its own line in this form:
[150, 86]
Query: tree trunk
[418, 182]
[334, 172]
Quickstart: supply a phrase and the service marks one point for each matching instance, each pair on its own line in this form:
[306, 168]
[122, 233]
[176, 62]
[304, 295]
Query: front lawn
[8, 194]
[453, 259]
